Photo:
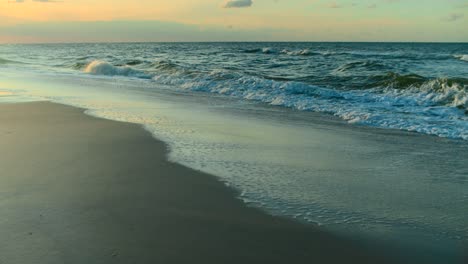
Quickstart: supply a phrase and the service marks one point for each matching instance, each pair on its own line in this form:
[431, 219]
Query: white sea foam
[104, 68]
[463, 57]
[268, 50]
[303, 52]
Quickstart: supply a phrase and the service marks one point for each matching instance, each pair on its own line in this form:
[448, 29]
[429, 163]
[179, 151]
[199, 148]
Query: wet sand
[77, 189]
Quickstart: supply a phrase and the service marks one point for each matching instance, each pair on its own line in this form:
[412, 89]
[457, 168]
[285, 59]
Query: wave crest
[303, 52]
[165, 65]
[431, 106]
[104, 68]
[365, 65]
[452, 92]
[463, 57]
[268, 50]
[443, 92]
[397, 81]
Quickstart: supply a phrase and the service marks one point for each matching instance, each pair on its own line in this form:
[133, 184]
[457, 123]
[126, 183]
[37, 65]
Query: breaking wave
[105, 68]
[462, 57]
[432, 106]
[304, 52]
[268, 50]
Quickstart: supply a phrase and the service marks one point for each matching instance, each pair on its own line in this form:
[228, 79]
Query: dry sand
[77, 189]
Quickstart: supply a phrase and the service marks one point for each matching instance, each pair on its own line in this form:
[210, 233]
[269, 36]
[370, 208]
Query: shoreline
[76, 188]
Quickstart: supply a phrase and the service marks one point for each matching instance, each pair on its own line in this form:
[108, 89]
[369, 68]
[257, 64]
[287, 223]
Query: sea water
[361, 138]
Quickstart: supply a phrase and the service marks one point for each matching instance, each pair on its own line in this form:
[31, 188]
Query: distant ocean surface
[366, 138]
[414, 87]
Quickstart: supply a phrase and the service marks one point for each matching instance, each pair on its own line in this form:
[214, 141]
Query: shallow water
[297, 155]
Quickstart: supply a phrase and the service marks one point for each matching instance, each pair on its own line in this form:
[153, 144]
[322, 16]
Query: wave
[451, 92]
[397, 81]
[5, 61]
[165, 65]
[463, 57]
[79, 65]
[104, 68]
[437, 92]
[437, 106]
[356, 65]
[303, 52]
[252, 50]
[357, 54]
[433, 106]
[268, 50]
[388, 55]
[134, 62]
[410, 81]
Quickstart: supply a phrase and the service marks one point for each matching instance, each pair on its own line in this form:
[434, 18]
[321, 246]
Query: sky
[45, 21]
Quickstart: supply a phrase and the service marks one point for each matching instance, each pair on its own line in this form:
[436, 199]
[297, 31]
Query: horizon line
[237, 41]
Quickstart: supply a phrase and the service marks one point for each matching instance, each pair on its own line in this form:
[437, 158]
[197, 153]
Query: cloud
[238, 3]
[454, 17]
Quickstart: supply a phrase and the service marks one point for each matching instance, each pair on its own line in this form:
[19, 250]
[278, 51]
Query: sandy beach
[77, 189]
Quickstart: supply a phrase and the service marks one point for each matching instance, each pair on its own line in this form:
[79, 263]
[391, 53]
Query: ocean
[365, 138]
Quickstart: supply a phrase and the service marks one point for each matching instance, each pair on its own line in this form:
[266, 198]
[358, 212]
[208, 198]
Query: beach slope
[77, 189]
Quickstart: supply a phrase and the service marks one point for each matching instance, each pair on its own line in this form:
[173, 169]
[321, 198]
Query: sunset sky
[235, 20]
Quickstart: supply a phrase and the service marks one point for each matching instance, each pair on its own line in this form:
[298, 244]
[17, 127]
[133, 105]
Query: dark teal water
[409, 86]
